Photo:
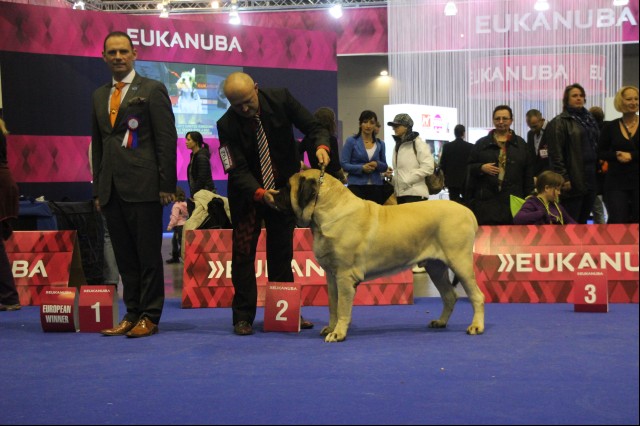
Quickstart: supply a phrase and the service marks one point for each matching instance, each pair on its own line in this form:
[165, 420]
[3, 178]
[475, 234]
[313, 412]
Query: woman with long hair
[199, 169]
[619, 147]
[364, 159]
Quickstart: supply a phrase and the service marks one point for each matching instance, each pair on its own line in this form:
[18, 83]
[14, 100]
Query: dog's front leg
[332, 289]
[346, 292]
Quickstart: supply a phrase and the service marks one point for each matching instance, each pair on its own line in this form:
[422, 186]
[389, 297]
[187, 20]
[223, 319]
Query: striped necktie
[114, 104]
[265, 158]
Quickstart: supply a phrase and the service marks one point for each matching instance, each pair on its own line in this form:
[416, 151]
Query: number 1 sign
[282, 307]
[97, 307]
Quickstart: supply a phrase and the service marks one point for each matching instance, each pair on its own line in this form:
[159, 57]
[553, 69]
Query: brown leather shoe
[305, 324]
[143, 328]
[119, 330]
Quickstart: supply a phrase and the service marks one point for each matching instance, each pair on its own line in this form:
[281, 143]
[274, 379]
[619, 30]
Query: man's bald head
[242, 93]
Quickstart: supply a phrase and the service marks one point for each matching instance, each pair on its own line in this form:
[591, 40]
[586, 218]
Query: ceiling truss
[190, 6]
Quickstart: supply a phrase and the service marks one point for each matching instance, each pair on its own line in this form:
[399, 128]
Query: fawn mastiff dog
[356, 240]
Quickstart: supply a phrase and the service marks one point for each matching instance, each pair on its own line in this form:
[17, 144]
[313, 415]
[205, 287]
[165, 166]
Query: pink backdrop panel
[52, 30]
[359, 31]
[49, 158]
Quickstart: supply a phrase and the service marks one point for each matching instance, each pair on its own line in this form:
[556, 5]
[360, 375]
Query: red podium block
[58, 309]
[282, 307]
[97, 308]
[591, 291]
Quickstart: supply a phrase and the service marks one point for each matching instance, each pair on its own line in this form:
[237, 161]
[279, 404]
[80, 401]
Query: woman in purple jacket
[542, 208]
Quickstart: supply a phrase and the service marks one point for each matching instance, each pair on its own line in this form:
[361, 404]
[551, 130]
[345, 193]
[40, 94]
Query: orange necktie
[114, 105]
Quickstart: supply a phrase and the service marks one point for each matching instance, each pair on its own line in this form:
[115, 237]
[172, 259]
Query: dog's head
[303, 195]
[187, 81]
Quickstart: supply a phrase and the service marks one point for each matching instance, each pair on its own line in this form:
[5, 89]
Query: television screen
[196, 93]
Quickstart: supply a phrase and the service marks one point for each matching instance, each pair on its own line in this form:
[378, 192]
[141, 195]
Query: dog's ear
[282, 199]
[307, 190]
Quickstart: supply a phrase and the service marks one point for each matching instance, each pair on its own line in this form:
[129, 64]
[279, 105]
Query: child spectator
[178, 218]
[542, 208]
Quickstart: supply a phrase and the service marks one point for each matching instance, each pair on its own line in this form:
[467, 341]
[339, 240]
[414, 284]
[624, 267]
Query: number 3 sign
[282, 307]
[591, 291]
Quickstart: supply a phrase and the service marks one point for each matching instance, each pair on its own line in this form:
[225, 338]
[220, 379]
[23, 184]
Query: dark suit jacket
[141, 173]
[279, 112]
[453, 162]
[540, 164]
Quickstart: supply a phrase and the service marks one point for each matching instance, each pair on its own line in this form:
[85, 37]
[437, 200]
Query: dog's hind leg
[476, 297]
[439, 274]
[346, 290]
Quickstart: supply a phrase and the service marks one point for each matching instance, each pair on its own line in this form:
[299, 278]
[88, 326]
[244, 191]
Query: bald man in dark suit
[251, 198]
[134, 176]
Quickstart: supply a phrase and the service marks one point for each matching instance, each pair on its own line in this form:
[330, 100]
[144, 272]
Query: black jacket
[564, 140]
[279, 112]
[199, 172]
[489, 203]
[453, 162]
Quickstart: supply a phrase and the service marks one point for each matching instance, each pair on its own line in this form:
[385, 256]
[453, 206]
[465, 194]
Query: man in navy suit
[249, 201]
[453, 162]
[134, 176]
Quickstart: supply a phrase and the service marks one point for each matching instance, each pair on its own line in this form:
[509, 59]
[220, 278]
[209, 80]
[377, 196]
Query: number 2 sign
[282, 307]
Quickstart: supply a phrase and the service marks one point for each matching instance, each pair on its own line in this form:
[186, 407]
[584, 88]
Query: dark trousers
[176, 243]
[622, 205]
[246, 231]
[579, 208]
[8, 293]
[136, 235]
[455, 194]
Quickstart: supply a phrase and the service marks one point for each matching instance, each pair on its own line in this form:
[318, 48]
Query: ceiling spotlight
[450, 9]
[336, 11]
[234, 4]
[215, 4]
[234, 17]
[620, 2]
[384, 73]
[164, 13]
[78, 5]
[541, 5]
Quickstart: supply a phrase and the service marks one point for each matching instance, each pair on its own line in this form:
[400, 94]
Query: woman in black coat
[199, 169]
[499, 166]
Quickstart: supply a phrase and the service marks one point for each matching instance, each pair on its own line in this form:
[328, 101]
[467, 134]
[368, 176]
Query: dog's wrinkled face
[302, 192]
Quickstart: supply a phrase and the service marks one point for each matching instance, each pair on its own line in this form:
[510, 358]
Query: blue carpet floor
[535, 364]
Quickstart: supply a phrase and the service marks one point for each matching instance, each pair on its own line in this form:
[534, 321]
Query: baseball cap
[401, 119]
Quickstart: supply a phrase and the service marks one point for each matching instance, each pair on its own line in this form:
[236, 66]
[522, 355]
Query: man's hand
[323, 156]
[490, 169]
[268, 198]
[166, 198]
[96, 203]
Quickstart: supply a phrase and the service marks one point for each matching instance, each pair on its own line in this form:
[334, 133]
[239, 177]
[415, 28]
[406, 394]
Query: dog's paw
[334, 337]
[326, 330]
[437, 324]
[474, 329]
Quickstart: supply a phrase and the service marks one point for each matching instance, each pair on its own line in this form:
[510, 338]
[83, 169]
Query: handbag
[435, 181]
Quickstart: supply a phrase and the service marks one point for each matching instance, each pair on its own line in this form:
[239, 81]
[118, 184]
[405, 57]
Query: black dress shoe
[14, 307]
[243, 328]
[304, 324]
